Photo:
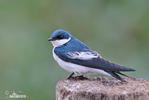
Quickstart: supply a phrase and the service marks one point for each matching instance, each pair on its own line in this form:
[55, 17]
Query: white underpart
[83, 55]
[58, 43]
[77, 69]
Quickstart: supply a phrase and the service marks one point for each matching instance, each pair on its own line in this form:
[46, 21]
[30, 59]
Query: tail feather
[113, 74]
[122, 74]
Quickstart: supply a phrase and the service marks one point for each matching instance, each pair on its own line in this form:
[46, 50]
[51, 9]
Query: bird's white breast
[78, 69]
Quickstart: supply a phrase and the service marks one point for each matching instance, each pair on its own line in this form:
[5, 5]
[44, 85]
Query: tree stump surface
[102, 89]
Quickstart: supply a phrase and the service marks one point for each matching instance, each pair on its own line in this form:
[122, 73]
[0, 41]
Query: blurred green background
[118, 29]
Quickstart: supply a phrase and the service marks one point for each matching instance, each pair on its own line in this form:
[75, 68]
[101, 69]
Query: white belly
[78, 69]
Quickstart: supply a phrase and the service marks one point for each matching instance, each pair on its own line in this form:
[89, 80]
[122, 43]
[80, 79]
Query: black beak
[50, 39]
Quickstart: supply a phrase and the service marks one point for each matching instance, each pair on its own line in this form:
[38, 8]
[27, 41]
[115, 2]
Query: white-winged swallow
[76, 57]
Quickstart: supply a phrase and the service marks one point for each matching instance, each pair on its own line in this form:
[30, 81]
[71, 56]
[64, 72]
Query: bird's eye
[60, 37]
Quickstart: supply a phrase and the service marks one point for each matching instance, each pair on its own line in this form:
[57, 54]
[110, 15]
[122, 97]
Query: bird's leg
[70, 76]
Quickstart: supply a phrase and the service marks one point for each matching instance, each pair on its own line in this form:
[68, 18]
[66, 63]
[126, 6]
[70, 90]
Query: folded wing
[91, 59]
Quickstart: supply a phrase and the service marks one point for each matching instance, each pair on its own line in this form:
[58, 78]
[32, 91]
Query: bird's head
[60, 37]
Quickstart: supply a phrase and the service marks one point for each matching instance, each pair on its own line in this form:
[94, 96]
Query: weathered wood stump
[102, 89]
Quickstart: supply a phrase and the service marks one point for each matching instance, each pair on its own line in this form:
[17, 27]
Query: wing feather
[91, 59]
[83, 55]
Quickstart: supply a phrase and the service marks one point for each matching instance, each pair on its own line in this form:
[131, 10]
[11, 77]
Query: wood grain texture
[102, 89]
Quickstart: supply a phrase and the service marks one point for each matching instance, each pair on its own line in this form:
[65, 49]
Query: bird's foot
[81, 77]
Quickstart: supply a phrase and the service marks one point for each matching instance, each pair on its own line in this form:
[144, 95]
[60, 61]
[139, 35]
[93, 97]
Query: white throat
[61, 42]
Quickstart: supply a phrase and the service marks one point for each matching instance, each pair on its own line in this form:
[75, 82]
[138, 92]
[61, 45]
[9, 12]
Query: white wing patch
[83, 55]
